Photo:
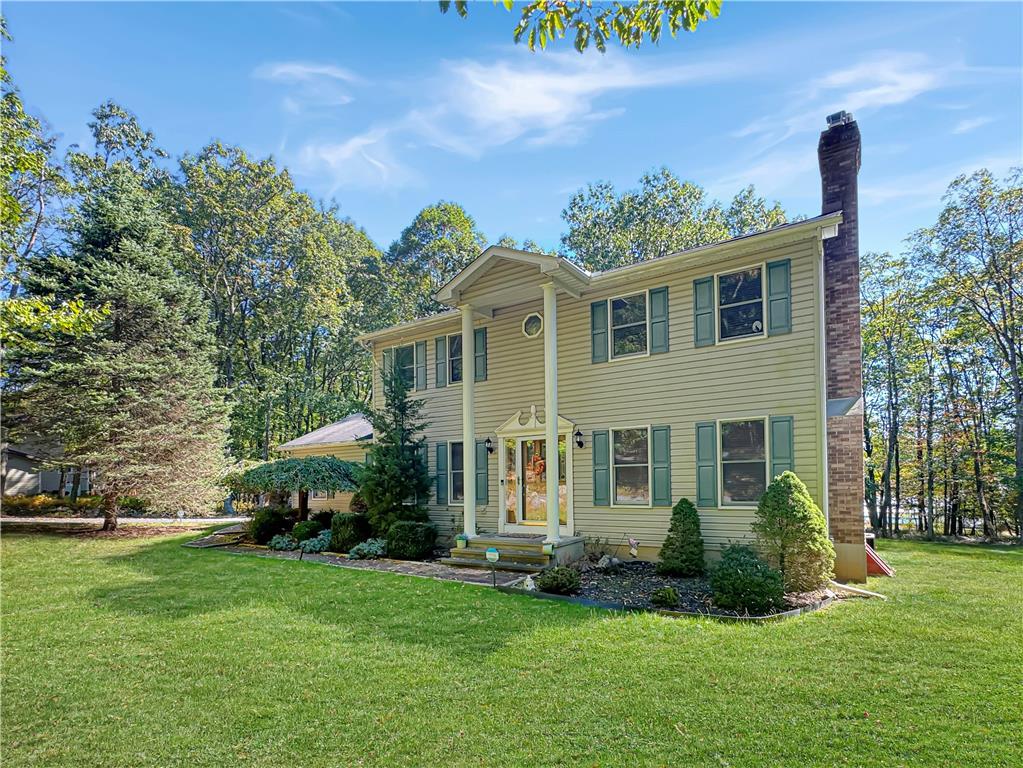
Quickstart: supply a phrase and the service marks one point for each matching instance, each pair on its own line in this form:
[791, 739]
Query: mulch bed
[631, 584]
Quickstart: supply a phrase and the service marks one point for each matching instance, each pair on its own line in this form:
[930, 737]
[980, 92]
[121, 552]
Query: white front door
[524, 476]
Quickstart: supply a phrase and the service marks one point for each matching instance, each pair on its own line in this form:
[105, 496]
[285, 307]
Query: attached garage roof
[350, 429]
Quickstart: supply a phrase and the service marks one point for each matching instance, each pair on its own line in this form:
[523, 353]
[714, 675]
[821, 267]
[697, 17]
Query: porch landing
[518, 552]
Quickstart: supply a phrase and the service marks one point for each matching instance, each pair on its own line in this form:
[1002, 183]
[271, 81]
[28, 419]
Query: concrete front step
[502, 565]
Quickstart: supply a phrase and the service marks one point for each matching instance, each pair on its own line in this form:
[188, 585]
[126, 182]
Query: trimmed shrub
[358, 506]
[323, 517]
[409, 540]
[46, 504]
[682, 551]
[559, 580]
[306, 530]
[347, 530]
[370, 549]
[316, 544]
[283, 542]
[793, 535]
[665, 597]
[267, 522]
[133, 505]
[741, 581]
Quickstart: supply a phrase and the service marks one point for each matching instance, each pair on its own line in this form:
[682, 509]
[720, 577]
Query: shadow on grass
[462, 621]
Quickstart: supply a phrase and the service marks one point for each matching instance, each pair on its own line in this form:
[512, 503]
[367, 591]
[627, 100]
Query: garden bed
[628, 587]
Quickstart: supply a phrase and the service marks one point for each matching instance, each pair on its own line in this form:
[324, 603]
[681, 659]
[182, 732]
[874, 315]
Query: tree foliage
[544, 21]
[608, 229]
[682, 551]
[133, 397]
[395, 482]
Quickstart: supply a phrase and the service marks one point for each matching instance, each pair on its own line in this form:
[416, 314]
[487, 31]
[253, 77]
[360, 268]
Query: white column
[550, 405]
[469, 419]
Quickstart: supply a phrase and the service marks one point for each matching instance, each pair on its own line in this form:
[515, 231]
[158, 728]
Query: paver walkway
[407, 567]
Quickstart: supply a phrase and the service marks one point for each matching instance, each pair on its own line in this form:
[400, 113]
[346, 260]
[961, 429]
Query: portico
[554, 275]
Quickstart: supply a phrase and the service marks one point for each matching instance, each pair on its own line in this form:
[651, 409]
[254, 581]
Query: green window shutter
[482, 489]
[601, 468]
[660, 469]
[779, 300]
[658, 320]
[598, 332]
[441, 452]
[440, 345]
[388, 363]
[703, 312]
[782, 450]
[480, 344]
[420, 365]
[706, 464]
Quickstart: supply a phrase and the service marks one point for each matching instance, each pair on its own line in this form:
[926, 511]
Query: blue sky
[388, 107]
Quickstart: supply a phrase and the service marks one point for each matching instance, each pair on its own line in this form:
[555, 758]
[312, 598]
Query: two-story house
[702, 374]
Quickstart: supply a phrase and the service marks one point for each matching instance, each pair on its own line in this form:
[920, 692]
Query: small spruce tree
[682, 551]
[395, 483]
[793, 535]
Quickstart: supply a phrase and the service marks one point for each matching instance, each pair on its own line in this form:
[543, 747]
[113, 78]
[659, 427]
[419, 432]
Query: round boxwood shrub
[665, 597]
[793, 535]
[741, 581]
[370, 549]
[682, 551]
[411, 540]
[306, 530]
[267, 522]
[559, 581]
[323, 517]
[347, 530]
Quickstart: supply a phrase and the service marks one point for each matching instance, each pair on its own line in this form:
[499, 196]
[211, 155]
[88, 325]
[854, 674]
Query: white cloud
[928, 186]
[365, 160]
[971, 124]
[883, 79]
[310, 84]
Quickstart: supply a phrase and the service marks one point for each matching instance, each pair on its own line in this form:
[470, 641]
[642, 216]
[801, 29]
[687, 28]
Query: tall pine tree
[133, 398]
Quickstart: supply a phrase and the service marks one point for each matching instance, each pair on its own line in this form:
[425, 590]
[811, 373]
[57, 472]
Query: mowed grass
[142, 653]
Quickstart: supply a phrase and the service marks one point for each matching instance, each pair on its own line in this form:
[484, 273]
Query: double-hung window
[630, 451]
[629, 325]
[743, 454]
[456, 473]
[740, 304]
[454, 358]
[318, 495]
[405, 363]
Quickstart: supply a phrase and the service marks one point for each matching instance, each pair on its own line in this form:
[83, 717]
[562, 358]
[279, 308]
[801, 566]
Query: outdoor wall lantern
[578, 438]
[489, 445]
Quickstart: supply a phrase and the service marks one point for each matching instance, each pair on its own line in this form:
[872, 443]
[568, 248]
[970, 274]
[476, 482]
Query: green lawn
[139, 652]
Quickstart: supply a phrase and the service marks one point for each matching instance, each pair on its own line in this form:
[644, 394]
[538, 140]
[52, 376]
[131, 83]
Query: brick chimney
[839, 155]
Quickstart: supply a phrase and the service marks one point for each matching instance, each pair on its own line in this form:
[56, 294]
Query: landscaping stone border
[512, 589]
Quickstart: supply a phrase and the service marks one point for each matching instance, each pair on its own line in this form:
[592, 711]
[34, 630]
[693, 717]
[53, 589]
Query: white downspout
[550, 391]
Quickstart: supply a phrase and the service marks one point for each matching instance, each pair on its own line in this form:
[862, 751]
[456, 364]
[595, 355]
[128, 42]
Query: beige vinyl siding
[753, 377]
[341, 502]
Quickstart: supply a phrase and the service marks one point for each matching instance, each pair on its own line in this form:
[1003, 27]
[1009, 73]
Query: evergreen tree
[793, 534]
[682, 551]
[396, 482]
[132, 398]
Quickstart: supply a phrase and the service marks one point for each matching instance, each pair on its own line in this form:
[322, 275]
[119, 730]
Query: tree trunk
[76, 484]
[109, 512]
[303, 505]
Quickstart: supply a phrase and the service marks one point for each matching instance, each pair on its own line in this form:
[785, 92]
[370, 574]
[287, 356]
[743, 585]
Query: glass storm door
[526, 481]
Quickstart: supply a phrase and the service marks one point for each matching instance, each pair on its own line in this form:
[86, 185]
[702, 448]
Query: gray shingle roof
[348, 430]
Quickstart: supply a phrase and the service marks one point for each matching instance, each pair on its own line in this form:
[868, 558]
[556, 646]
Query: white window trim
[327, 495]
[746, 505]
[415, 359]
[452, 502]
[611, 358]
[539, 333]
[649, 467]
[763, 304]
